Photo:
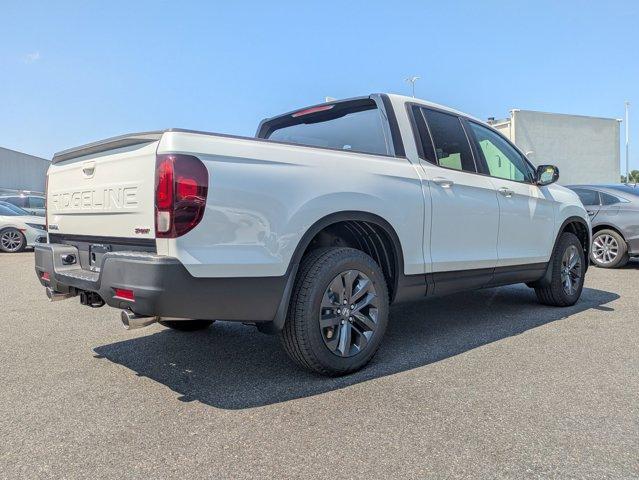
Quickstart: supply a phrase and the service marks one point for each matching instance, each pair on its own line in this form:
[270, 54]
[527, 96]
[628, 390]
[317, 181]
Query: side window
[587, 197]
[502, 159]
[607, 199]
[36, 202]
[452, 149]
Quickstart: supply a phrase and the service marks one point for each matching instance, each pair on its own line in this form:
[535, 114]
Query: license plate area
[96, 252]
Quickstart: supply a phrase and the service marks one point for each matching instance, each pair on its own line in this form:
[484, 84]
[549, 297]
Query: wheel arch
[378, 238]
[364, 224]
[579, 227]
[607, 226]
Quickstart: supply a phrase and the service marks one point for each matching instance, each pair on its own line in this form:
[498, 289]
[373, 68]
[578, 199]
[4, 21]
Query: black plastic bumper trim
[163, 286]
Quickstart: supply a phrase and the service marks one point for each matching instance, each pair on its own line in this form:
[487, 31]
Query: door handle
[443, 182]
[506, 192]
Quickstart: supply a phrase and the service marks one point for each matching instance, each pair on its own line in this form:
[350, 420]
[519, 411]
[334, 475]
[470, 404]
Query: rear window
[626, 189]
[352, 126]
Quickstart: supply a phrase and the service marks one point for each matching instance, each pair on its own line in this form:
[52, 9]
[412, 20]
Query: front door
[527, 212]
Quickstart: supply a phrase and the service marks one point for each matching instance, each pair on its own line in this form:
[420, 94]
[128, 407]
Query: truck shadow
[233, 366]
[633, 264]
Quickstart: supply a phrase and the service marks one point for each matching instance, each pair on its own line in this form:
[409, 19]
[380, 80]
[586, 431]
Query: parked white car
[312, 228]
[18, 229]
[34, 204]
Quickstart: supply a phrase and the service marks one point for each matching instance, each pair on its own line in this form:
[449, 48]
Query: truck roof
[405, 98]
[146, 137]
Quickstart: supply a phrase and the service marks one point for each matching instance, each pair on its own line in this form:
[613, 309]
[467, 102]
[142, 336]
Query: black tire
[303, 339]
[621, 258]
[555, 294]
[8, 237]
[187, 325]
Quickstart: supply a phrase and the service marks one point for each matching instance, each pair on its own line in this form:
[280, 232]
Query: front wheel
[12, 240]
[338, 311]
[568, 268]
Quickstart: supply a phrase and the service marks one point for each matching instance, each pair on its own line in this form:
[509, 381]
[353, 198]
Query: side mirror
[546, 174]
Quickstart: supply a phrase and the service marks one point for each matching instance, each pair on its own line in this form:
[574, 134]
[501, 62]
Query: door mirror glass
[546, 174]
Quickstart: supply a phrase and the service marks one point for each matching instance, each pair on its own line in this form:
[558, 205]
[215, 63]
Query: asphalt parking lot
[486, 384]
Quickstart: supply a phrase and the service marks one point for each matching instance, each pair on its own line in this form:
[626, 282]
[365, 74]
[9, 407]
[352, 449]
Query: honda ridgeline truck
[312, 228]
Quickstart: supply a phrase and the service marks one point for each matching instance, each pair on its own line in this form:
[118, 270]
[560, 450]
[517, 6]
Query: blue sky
[74, 72]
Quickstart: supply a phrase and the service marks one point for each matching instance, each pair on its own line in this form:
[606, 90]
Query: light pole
[412, 81]
[627, 104]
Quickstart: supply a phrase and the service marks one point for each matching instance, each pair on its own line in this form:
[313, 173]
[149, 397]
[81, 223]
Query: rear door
[527, 211]
[465, 210]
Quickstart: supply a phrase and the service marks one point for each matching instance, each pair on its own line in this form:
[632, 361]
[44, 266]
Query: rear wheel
[567, 281]
[609, 249]
[12, 240]
[338, 312]
[187, 325]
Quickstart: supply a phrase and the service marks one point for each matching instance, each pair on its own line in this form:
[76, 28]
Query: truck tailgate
[105, 189]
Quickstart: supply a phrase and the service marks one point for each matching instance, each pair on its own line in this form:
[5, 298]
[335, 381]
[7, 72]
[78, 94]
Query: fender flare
[348, 215]
[546, 279]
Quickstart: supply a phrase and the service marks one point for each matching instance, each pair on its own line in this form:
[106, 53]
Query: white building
[20, 171]
[586, 149]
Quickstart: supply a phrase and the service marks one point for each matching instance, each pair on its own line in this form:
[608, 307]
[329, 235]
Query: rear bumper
[162, 286]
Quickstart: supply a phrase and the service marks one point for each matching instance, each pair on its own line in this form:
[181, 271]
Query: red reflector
[124, 294]
[312, 110]
[45, 276]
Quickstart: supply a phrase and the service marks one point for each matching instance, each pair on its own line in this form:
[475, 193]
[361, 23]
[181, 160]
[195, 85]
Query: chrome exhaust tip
[56, 296]
[131, 321]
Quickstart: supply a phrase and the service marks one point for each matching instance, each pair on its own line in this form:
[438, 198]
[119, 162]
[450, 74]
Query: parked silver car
[614, 213]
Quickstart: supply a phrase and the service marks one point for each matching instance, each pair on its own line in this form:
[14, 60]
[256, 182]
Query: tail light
[181, 185]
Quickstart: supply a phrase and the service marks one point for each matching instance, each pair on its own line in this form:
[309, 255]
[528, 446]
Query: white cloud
[32, 57]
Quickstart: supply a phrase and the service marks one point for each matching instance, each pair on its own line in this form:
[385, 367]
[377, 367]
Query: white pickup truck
[312, 228]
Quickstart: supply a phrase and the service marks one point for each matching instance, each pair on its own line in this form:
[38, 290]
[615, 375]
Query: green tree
[634, 177]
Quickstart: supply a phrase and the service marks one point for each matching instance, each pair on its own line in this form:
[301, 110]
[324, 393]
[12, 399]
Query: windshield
[17, 210]
[7, 212]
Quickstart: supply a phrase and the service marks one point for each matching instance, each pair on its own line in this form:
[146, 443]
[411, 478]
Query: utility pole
[627, 104]
[412, 81]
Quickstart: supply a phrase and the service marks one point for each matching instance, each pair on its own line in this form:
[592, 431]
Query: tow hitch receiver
[91, 299]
